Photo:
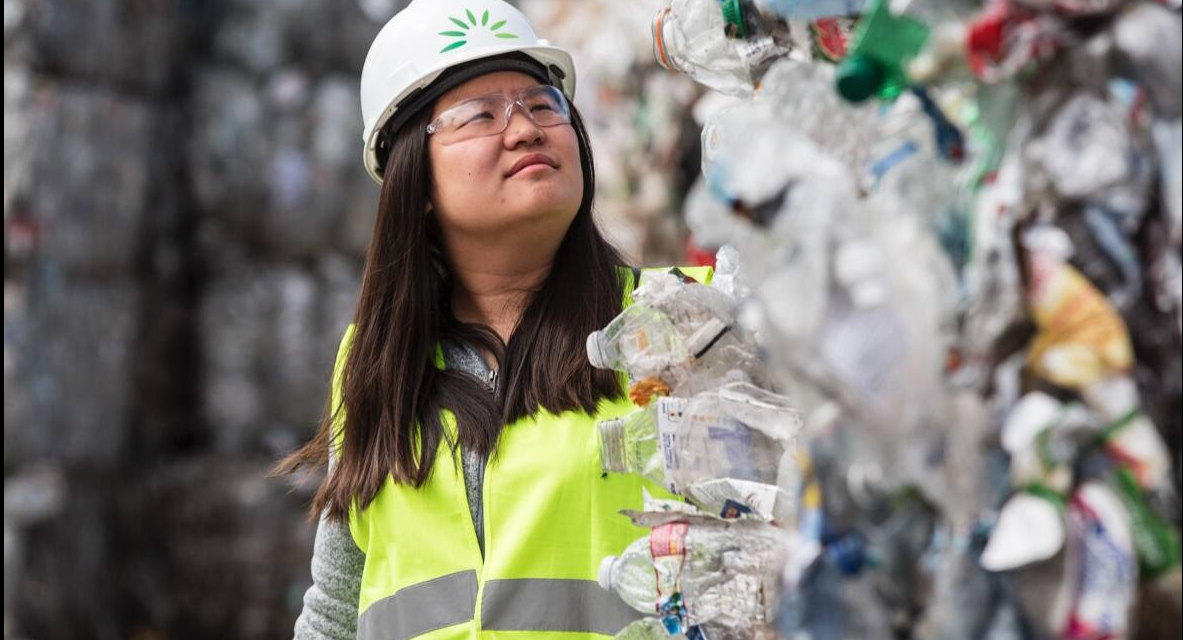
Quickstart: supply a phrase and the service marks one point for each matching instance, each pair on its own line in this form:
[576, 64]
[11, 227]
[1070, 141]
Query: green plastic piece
[1155, 539]
[859, 77]
[883, 45]
[1041, 490]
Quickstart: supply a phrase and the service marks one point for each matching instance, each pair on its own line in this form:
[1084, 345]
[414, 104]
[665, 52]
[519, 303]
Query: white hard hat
[430, 36]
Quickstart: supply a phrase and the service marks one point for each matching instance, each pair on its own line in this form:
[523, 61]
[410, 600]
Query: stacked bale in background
[89, 214]
[185, 217]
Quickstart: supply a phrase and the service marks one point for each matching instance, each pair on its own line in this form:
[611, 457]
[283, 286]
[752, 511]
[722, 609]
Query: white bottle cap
[1029, 529]
[593, 350]
[604, 577]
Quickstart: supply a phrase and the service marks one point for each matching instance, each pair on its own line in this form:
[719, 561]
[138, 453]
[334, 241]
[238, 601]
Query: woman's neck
[494, 290]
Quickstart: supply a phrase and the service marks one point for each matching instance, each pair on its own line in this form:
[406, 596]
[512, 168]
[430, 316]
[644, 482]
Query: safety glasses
[489, 115]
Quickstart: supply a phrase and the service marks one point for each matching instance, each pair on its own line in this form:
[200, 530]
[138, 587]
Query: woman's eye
[484, 115]
[542, 107]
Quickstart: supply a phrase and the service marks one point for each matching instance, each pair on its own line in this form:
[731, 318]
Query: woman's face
[474, 188]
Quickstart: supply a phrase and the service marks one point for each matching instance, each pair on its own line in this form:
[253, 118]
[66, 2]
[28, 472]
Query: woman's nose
[520, 128]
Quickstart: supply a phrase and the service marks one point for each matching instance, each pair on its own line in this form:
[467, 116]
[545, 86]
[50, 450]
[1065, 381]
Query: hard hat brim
[545, 54]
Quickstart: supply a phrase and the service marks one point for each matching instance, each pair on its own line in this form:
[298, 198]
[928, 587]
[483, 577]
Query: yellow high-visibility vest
[550, 516]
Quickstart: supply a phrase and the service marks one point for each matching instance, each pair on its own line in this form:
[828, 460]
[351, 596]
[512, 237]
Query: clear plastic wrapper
[738, 432]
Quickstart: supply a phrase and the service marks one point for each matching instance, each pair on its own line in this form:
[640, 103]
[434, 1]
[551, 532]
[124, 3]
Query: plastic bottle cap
[593, 350]
[733, 15]
[604, 577]
[858, 78]
[1030, 528]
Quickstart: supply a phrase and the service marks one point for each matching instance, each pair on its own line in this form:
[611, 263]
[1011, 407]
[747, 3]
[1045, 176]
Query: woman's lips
[531, 169]
[532, 160]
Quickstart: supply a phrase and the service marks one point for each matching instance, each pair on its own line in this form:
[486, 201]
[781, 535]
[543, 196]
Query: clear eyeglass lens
[489, 115]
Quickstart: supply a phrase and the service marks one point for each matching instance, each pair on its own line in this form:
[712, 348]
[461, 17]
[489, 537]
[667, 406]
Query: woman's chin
[544, 199]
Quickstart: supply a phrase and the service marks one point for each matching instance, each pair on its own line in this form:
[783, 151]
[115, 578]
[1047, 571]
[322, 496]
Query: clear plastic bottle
[724, 576]
[729, 450]
[691, 36]
[640, 339]
[630, 444]
[682, 333]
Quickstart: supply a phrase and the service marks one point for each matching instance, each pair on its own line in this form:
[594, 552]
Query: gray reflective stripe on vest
[538, 604]
[417, 609]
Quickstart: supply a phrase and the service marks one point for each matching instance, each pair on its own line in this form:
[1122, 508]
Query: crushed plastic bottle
[801, 95]
[734, 449]
[730, 450]
[691, 36]
[678, 337]
[716, 576]
[644, 340]
[634, 443]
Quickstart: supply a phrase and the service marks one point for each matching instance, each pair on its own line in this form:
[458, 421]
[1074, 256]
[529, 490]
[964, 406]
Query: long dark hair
[393, 392]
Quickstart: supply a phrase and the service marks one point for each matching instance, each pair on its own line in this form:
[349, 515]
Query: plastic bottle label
[669, 414]
[757, 51]
[1108, 575]
[668, 540]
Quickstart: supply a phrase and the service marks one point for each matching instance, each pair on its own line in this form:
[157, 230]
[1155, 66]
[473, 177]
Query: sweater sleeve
[330, 604]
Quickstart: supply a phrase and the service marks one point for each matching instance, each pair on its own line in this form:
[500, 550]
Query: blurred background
[989, 224]
[185, 216]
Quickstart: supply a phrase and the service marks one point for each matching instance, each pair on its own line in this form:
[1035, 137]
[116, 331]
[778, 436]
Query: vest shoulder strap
[631, 276]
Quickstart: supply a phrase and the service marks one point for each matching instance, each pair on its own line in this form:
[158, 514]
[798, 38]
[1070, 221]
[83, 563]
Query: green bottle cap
[858, 77]
[733, 16]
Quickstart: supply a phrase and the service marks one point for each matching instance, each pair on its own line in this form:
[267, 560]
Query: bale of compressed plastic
[19, 398]
[86, 193]
[268, 337]
[71, 545]
[18, 114]
[260, 36]
[234, 314]
[220, 550]
[70, 370]
[138, 46]
[273, 165]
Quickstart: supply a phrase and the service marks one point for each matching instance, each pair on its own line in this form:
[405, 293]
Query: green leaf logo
[461, 36]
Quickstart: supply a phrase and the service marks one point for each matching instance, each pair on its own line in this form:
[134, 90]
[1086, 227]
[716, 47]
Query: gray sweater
[330, 604]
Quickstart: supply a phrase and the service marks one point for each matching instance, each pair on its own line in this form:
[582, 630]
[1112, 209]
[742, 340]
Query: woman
[464, 497]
